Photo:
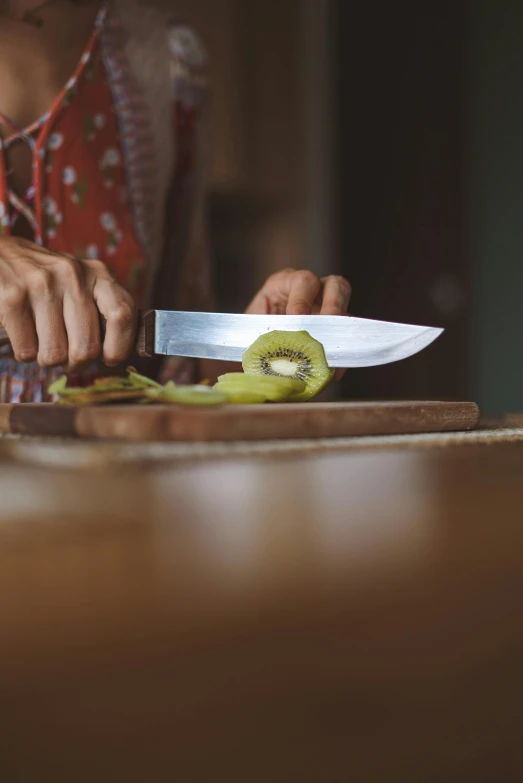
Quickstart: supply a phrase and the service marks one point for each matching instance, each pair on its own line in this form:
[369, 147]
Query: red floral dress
[79, 200]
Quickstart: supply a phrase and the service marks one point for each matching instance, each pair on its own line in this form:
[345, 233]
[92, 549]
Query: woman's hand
[299, 292]
[291, 292]
[50, 305]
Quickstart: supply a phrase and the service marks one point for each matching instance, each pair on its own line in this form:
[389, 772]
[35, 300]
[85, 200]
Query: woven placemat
[65, 453]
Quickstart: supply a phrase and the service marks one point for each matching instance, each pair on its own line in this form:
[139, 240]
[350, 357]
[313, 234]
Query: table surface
[354, 615]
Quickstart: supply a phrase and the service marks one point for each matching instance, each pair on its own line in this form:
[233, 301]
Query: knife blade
[348, 341]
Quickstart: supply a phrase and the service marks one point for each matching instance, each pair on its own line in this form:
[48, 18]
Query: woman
[102, 190]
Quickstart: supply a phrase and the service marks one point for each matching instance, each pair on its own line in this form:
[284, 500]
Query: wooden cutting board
[239, 423]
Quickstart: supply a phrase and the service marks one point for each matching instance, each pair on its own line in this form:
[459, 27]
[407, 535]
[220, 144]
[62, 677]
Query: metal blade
[348, 341]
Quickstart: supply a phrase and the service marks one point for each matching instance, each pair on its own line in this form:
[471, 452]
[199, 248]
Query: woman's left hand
[290, 292]
[299, 292]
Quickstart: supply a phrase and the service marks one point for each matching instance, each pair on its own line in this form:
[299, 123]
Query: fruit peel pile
[278, 367]
[134, 388]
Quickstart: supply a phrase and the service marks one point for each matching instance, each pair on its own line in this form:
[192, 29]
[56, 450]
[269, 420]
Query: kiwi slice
[240, 396]
[141, 381]
[290, 355]
[135, 388]
[187, 395]
[274, 388]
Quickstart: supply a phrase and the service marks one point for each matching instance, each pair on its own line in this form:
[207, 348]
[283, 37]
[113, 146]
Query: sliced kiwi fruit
[291, 356]
[141, 381]
[187, 395]
[103, 391]
[240, 396]
[273, 388]
[135, 388]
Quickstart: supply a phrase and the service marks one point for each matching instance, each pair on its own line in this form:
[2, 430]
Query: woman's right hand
[50, 306]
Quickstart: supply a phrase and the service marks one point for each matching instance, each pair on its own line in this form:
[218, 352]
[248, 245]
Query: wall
[272, 171]
[401, 107]
[494, 126]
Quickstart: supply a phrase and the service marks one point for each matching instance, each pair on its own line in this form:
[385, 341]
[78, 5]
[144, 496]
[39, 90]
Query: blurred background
[382, 141]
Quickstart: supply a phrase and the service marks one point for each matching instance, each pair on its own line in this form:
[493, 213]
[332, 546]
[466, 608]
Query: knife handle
[144, 335]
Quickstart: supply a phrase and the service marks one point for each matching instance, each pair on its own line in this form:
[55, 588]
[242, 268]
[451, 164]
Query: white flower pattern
[110, 161]
[52, 217]
[49, 206]
[111, 157]
[69, 175]
[55, 141]
[114, 234]
[108, 221]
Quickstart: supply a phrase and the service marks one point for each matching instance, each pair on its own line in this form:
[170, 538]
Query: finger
[304, 289]
[118, 309]
[336, 295]
[82, 325]
[260, 305]
[17, 319]
[80, 313]
[50, 329]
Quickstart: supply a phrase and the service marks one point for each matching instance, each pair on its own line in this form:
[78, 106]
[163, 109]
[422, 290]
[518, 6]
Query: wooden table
[355, 616]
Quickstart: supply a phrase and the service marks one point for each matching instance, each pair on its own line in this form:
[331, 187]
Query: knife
[348, 341]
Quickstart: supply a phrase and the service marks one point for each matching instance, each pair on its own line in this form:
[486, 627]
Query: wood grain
[5, 418]
[42, 419]
[238, 423]
[353, 617]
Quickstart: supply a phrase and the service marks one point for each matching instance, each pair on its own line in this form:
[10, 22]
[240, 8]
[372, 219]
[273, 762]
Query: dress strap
[22, 134]
[22, 206]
